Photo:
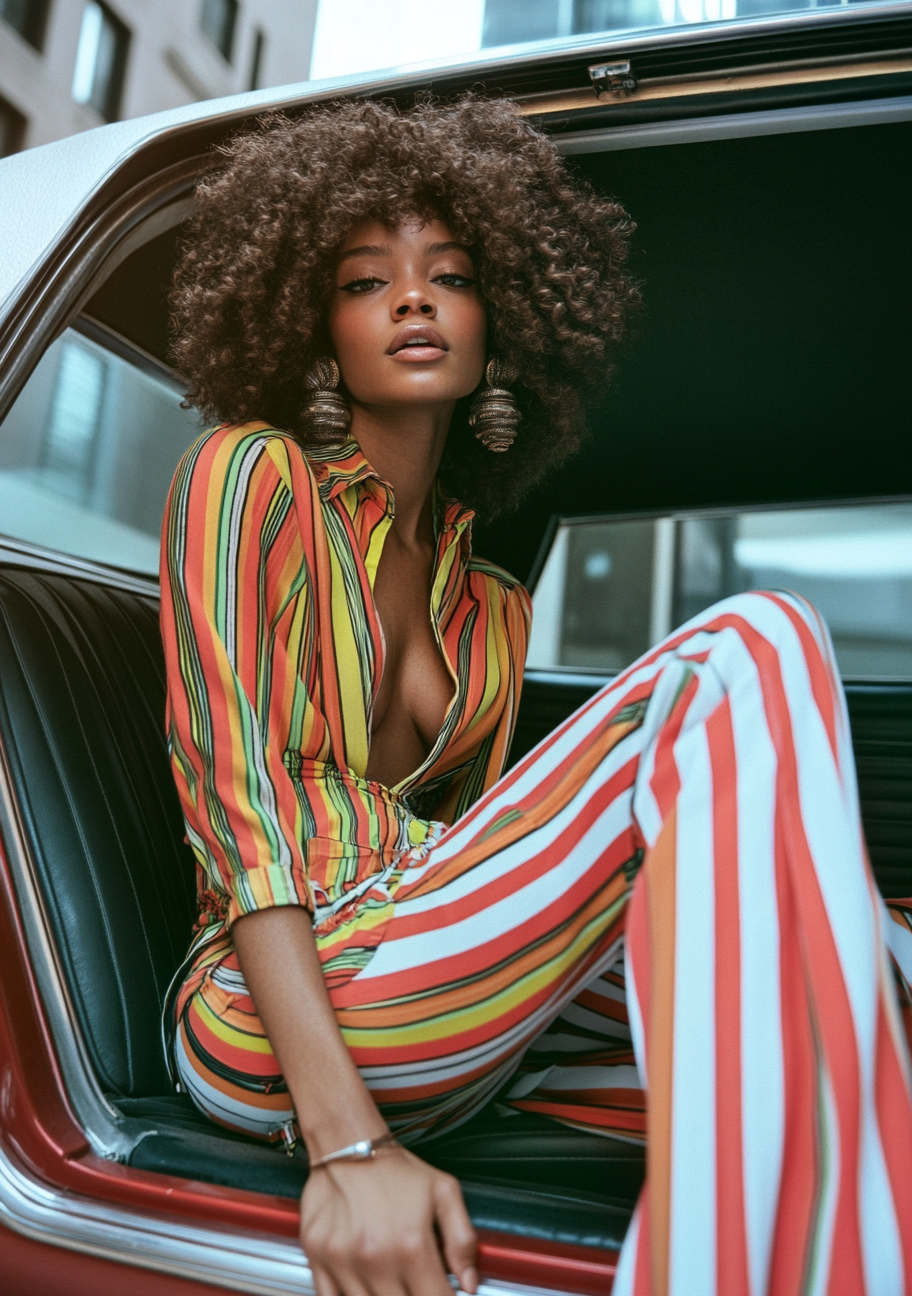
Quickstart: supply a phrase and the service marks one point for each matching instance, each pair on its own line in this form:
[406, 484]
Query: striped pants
[669, 900]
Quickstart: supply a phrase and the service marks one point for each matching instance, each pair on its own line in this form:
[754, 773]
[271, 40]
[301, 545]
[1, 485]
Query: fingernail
[470, 1280]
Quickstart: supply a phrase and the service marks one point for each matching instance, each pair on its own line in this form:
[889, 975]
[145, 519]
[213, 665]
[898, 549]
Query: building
[68, 65]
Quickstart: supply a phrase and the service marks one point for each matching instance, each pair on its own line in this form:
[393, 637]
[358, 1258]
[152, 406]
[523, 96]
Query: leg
[762, 1013]
[433, 1039]
[764, 1016]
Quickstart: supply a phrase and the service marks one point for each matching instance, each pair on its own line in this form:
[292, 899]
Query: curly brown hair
[256, 271]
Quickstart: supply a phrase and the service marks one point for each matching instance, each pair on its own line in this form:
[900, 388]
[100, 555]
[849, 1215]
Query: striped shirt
[274, 654]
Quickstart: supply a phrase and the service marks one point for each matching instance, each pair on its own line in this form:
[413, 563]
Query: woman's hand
[371, 1228]
[368, 1228]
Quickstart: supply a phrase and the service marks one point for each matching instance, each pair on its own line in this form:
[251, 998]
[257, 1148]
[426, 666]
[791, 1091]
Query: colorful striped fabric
[700, 816]
[662, 920]
[274, 652]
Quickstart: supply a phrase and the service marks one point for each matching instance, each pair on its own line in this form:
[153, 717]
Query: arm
[365, 1226]
[231, 555]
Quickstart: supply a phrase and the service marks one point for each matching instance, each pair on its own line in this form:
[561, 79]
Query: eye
[360, 285]
[453, 280]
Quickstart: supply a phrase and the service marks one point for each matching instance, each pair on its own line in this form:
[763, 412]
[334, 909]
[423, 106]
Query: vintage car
[757, 434]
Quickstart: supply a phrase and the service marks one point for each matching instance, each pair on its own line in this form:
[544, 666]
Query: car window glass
[88, 450]
[610, 589]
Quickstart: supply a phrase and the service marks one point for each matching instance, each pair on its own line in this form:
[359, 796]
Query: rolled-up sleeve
[233, 589]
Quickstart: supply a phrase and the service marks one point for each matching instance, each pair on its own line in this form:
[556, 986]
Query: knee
[757, 604]
[778, 616]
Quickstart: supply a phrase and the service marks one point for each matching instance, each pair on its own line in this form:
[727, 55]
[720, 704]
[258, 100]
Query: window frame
[224, 41]
[33, 26]
[108, 103]
[558, 520]
[15, 123]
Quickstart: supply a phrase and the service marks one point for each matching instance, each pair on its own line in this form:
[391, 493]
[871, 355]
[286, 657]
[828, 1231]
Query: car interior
[769, 368]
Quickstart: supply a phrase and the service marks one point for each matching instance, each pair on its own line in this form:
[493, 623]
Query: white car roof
[45, 189]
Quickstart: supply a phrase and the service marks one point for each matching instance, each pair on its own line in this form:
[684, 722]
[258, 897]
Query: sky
[363, 35]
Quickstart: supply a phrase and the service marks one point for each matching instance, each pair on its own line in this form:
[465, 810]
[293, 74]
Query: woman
[372, 303]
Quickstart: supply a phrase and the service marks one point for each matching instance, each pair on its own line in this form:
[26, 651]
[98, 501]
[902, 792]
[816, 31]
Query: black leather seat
[81, 721]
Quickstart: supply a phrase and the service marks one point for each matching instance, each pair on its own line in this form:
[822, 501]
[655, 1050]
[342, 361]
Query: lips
[417, 342]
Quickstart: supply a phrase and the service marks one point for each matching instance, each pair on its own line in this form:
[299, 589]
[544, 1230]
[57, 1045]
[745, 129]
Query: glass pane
[611, 589]
[509, 23]
[100, 59]
[87, 454]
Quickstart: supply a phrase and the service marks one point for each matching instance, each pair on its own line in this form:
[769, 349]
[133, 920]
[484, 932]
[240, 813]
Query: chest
[416, 685]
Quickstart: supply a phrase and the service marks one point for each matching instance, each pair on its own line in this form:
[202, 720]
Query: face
[406, 318]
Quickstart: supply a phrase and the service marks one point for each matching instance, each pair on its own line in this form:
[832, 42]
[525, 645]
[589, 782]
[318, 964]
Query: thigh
[223, 1058]
[495, 927]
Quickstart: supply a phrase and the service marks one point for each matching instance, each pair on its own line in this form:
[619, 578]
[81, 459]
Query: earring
[493, 411]
[325, 415]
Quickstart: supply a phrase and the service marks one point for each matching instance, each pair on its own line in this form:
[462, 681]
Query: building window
[218, 20]
[256, 62]
[12, 129]
[27, 17]
[101, 60]
[68, 451]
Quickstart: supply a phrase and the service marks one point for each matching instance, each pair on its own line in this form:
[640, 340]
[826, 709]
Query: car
[756, 433]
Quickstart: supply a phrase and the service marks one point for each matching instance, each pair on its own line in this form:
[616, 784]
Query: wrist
[328, 1132]
[362, 1150]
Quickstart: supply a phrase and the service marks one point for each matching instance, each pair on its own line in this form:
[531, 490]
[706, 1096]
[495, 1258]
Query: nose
[414, 299]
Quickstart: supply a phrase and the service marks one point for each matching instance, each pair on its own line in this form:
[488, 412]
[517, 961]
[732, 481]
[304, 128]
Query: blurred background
[89, 447]
[68, 65]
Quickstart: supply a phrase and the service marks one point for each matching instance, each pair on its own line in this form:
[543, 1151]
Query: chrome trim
[124, 349]
[607, 46]
[227, 1257]
[22, 553]
[602, 46]
[224, 1256]
[779, 121]
[78, 262]
[100, 1121]
[726, 510]
[97, 1117]
[750, 78]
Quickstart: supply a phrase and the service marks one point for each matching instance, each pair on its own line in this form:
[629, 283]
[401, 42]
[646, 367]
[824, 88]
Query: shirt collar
[337, 467]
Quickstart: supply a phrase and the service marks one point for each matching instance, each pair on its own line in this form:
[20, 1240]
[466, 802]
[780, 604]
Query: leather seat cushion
[82, 705]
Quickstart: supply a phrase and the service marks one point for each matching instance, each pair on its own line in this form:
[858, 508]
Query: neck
[404, 444]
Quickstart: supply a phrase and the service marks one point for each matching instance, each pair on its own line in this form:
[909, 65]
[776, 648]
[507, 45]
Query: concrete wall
[170, 62]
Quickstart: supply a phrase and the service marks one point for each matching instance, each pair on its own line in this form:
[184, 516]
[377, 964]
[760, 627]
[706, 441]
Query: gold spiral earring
[493, 412]
[325, 417]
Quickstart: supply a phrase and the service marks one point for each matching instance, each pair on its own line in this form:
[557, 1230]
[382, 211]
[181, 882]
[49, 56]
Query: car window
[509, 23]
[88, 450]
[610, 588]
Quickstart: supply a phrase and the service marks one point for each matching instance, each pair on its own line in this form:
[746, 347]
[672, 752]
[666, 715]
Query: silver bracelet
[363, 1150]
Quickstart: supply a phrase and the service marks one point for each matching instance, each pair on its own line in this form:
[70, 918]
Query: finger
[425, 1275]
[323, 1283]
[349, 1282]
[460, 1246]
[373, 1275]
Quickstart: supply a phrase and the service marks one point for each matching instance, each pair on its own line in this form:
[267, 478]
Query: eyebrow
[433, 248]
[384, 250]
[367, 249]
